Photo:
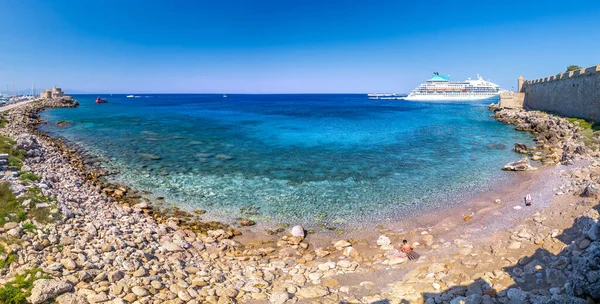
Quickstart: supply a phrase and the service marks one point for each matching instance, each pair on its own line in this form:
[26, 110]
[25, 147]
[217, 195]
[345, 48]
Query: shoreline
[323, 233]
[288, 263]
[344, 226]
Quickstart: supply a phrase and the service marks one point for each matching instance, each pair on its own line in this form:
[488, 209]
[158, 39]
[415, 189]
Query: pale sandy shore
[491, 249]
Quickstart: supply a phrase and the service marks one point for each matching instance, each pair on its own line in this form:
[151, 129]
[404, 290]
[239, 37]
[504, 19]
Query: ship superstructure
[440, 88]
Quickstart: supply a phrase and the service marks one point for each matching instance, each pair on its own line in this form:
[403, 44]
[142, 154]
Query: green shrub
[588, 127]
[29, 227]
[16, 291]
[28, 176]
[15, 157]
[13, 209]
[8, 203]
[8, 260]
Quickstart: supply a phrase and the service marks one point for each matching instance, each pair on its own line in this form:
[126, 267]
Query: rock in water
[521, 148]
[297, 231]
[521, 165]
[44, 290]
[149, 156]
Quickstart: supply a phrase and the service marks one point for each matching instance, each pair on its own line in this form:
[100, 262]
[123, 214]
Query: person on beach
[528, 200]
[565, 158]
[410, 253]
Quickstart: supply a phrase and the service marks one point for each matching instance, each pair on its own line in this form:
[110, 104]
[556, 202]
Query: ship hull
[449, 98]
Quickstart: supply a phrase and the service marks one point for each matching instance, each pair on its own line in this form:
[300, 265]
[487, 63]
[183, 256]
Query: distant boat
[100, 100]
[224, 96]
[130, 96]
[386, 96]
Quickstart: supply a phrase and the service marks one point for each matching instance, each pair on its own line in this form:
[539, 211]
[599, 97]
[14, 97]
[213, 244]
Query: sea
[294, 158]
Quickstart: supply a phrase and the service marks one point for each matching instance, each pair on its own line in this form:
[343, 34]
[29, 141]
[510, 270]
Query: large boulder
[521, 165]
[27, 142]
[591, 190]
[593, 232]
[585, 280]
[30, 145]
[44, 290]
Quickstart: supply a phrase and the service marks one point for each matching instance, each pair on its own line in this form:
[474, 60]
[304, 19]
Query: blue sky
[258, 46]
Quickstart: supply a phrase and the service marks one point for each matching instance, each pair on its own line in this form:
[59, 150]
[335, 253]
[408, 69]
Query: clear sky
[280, 46]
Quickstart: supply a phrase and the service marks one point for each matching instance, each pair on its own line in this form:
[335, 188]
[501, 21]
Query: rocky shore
[69, 236]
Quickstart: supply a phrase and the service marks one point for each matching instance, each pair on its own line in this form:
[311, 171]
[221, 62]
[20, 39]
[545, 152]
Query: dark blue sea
[294, 158]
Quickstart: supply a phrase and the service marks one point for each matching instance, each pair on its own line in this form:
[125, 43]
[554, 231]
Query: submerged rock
[150, 156]
[223, 157]
[521, 165]
[521, 148]
[63, 123]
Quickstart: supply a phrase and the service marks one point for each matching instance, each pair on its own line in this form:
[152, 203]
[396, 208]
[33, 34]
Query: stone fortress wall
[571, 94]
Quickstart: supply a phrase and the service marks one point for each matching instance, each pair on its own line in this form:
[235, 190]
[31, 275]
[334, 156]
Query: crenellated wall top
[567, 75]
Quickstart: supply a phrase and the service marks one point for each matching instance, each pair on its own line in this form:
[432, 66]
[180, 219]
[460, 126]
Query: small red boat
[100, 100]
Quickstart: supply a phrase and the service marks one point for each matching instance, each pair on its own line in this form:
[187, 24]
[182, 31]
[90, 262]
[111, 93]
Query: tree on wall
[573, 68]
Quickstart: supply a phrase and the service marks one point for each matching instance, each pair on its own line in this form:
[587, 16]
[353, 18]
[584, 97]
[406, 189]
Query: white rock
[395, 261]
[297, 231]
[279, 297]
[383, 241]
[44, 290]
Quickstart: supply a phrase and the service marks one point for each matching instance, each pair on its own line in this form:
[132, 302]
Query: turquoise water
[295, 158]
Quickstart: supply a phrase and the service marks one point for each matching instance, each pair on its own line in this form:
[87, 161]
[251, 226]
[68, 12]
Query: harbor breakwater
[573, 94]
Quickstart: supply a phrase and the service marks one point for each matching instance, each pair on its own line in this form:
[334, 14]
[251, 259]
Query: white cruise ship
[441, 89]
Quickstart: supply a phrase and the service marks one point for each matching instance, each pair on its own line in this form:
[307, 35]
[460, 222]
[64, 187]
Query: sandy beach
[109, 246]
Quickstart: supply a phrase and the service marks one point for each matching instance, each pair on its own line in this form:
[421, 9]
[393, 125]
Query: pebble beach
[74, 237]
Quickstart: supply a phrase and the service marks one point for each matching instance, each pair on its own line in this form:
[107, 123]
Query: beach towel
[413, 255]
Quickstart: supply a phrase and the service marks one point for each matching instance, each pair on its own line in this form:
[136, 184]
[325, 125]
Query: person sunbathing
[528, 200]
[410, 253]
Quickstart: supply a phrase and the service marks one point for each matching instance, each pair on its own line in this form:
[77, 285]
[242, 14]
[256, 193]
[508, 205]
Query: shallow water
[306, 158]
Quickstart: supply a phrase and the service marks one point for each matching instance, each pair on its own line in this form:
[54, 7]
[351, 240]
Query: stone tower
[520, 85]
